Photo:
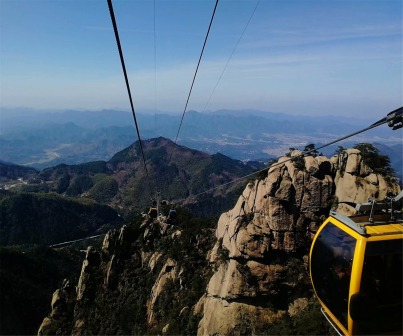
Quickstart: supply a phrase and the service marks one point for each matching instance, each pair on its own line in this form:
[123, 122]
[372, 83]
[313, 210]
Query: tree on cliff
[311, 148]
[380, 164]
[339, 150]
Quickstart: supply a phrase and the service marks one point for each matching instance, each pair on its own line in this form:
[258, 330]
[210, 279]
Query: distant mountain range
[43, 140]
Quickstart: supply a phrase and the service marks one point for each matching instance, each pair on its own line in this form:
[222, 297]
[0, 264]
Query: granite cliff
[265, 239]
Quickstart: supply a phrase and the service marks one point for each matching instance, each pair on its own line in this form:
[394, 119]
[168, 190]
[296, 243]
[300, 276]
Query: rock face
[276, 216]
[169, 271]
[61, 299]
[356, 182]
[103, 272]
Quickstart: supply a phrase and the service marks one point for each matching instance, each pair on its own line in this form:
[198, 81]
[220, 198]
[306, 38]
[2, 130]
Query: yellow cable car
[356, 269]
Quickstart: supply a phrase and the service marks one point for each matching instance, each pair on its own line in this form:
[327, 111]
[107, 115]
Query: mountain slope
[122, 182]
[27, 218]
[28, 278]
[13, 172]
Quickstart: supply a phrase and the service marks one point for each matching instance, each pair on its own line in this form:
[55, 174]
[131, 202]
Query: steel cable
[115, 29]
[233, 51]
[378, 123]
[194, 78]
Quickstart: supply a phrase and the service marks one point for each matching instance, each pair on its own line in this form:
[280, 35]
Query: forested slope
[27, 218]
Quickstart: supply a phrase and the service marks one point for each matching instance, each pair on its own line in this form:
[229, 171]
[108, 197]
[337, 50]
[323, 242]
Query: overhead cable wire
[155, 73]
[194, 78]
[233, 51]
[115, 29]
[378, 123]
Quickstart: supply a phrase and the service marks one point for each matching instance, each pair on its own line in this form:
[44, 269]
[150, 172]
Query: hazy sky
[298, 57]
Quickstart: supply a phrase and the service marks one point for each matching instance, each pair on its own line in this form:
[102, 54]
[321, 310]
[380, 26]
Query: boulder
[311, 165]
[297, 306]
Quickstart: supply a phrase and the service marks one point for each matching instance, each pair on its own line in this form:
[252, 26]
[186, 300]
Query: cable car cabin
[153, 213]
[356, 269]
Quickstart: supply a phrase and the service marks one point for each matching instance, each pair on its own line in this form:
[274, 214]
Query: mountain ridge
[121, 182]
[76, 137]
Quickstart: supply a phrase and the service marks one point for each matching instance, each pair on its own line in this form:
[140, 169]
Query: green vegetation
[79, 185]
[246, 219]
[340, 150]
[122, 180]
[311, 149]
[13, 172]
[189, 251]
[104, 190]
[310, 321]
[261, 174]
[35, 188]
[299, 161]
[380, 164]
[49, 218]
[121, 309]
[222, 252]
[28, 277]
[120, 312]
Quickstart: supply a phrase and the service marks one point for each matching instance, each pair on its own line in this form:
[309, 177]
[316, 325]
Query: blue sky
[298, 57]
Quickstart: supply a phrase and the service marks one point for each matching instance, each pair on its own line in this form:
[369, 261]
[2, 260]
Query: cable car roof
[375, 217]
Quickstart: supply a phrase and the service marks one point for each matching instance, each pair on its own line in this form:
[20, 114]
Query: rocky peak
[278, 215]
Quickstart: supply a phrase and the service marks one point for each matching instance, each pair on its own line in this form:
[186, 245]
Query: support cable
[378, 123]
[115, 29]
[194, 78]
[233, 51]
[155, 73]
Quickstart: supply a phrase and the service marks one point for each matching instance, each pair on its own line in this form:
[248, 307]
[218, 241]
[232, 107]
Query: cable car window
[377, 308]
[331, 264]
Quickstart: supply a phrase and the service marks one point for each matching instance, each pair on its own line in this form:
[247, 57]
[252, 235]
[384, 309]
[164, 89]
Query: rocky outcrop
[276, 216]
[61, 300]
[103, 272]
[169, 271]
[85, 287]
[298, 305]
[356, 182]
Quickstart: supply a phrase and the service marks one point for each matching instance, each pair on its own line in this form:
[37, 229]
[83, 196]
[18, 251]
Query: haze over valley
[43, 139]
